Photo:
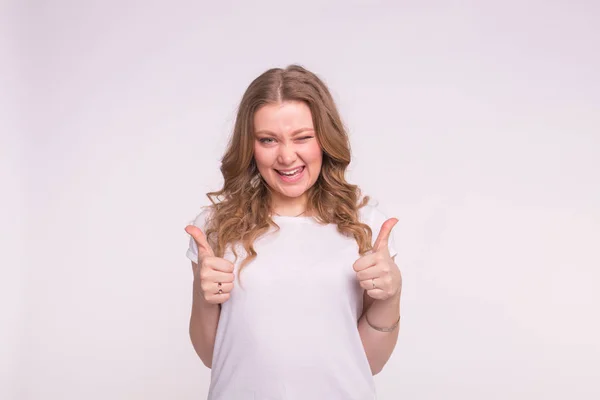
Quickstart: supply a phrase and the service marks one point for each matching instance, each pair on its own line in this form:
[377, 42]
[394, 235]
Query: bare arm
[213, 282]
[382, 314]
[379, 345]
[203, 324]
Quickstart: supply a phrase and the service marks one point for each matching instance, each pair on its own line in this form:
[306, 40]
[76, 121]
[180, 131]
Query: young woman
[296, 294]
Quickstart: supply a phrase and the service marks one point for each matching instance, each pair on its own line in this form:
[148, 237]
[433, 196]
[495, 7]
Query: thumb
[204, 248]
[384, 234]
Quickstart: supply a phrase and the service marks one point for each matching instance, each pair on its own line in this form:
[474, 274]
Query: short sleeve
[200, 221]
[374, 216]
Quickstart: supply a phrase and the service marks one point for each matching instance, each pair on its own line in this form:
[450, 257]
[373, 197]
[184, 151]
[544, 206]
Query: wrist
[382, 328]
[394, 299]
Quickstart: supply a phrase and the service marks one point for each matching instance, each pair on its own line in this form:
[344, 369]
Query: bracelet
[391, 328]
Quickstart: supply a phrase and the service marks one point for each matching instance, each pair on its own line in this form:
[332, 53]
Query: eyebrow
[297, 131]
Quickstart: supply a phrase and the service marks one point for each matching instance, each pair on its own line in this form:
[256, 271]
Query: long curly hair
[241, 210]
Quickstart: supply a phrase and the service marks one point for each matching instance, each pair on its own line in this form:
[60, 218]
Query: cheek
[314, 155]
[261, 157]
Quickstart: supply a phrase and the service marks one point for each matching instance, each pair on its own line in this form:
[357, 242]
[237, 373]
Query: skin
[285, 139]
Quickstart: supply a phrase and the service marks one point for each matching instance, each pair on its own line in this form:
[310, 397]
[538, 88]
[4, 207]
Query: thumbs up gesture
[213, 276]
[377, 272]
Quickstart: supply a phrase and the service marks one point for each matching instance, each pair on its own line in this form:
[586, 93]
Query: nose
[287, 154]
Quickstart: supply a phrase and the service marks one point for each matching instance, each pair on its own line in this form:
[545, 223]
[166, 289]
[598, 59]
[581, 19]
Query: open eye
[265, 140]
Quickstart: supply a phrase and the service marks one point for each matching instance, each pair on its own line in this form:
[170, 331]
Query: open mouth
[292, 176]
[292, 173]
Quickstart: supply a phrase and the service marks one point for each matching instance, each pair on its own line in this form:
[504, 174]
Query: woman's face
[285, 142]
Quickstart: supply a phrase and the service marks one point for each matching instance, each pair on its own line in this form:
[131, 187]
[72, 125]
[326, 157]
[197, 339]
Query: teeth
[294, 172]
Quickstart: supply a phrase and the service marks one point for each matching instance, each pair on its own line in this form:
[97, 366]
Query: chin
[292, 193]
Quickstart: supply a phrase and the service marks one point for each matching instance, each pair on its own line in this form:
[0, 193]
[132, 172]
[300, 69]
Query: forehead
[283, 117]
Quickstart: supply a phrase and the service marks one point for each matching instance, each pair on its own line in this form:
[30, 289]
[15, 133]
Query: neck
[289, 207]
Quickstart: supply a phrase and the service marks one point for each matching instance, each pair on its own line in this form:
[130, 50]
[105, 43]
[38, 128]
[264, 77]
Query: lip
[293, 179]
[289, 169]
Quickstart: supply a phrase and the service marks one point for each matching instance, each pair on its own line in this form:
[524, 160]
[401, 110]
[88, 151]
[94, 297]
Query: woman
[292, 299]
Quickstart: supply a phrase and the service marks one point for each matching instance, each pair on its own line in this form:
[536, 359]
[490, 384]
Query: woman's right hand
[213, 276]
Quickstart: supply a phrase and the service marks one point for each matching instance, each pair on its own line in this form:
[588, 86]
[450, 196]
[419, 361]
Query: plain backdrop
[475, 123]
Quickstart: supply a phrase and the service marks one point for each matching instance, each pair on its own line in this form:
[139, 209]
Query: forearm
[380, 345]
[203, 327]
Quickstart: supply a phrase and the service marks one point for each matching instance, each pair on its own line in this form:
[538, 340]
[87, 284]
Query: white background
[477, 124]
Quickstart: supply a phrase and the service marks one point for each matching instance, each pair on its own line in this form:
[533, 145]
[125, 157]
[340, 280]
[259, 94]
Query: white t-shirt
[291, 332]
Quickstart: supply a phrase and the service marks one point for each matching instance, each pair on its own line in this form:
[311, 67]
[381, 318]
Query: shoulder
[202, 219]
[372, 213]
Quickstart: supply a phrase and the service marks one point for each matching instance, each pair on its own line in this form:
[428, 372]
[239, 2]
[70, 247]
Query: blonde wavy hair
[241, 210]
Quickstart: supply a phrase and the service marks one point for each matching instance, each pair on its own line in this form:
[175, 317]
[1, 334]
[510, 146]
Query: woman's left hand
[377, 272]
